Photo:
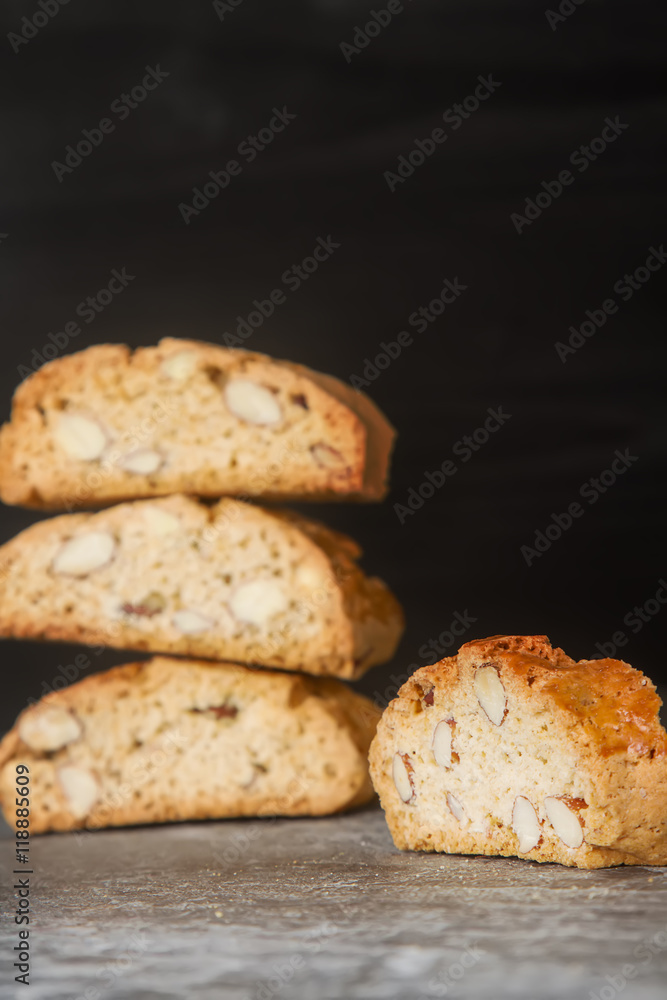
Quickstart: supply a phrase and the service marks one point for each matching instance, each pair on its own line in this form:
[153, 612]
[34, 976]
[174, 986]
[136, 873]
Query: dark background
[324, 176]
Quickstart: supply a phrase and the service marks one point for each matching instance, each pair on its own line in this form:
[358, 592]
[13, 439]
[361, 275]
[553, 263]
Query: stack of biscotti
[179, 438]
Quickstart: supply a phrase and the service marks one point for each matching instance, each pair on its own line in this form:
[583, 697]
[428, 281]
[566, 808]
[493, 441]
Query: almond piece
[84, 553]
[402, 771]
[309, 577]
[180, 366]
[160, 522]
[491, 694]
[442, 743]
[257, 601]
[143, 461]
[191, 622]
[455, 807]
[252, 402]
[326, 456]
[525, 824]
[80, 787]
[565, 822]
[80, 437]
[48, 727]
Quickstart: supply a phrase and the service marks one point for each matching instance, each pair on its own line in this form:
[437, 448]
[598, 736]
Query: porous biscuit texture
[110, 424]
[513, 748]
[229, 581]
[169, 740]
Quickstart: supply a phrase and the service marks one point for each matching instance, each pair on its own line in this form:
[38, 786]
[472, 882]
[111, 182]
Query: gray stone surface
[215, 910]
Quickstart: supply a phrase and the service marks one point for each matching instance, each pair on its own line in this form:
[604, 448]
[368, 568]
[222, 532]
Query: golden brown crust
[585, 733]
[172, 740]
[330, 442]
[615, 705]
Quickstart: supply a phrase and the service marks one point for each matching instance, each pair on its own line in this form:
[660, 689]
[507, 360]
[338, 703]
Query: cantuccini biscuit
[169, 740]
[513, 748]
[110, 424]
[227, 581]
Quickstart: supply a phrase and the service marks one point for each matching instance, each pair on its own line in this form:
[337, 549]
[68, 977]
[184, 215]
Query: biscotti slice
[512, 748]
[229, 581]
[170, 739]
[109, 424]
